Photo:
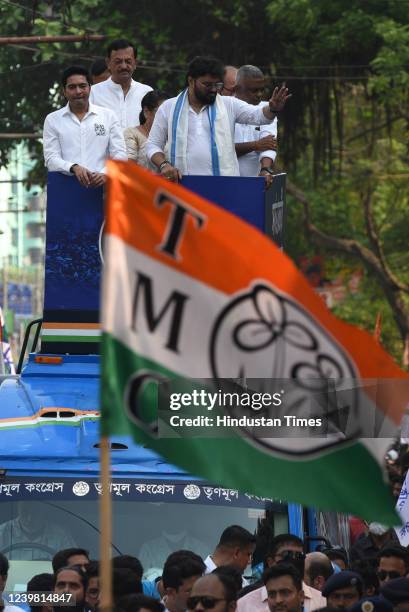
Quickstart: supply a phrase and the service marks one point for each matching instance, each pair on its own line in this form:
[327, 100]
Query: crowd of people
[291, 580]
[218, 125]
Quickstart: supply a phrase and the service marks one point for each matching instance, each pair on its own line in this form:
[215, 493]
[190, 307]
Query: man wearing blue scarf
[197, 126]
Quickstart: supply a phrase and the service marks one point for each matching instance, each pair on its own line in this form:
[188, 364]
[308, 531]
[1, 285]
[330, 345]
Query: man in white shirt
[78, 138]
[120, 92]
[229, 81]
[255, 145]
[198, 125]
[235, 548]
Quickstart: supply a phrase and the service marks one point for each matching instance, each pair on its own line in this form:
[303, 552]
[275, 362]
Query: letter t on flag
[192, 292]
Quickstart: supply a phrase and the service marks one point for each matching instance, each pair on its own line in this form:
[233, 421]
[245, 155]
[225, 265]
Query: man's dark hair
[38, 583]
[92, 569]
[71, 70]
[151, 101]
[232, 572]
[73, 568]
[202, 64]
[128, 562]
[368, 575]
[283, 569]
[335, 553]
[280, 540]
[60, 558]
[394, 551]
[236, 536]
[98, 67]
[229, 585]
[4, 565]
[133, 603]
[120, 43]
[178, 567]
[125, 582]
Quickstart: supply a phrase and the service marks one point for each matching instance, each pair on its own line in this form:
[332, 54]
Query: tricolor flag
[193, 292]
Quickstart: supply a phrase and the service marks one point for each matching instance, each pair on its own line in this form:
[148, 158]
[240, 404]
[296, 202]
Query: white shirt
[110, 95]
[210, 566]
[89, 143]
[249, 163]
[198, 155]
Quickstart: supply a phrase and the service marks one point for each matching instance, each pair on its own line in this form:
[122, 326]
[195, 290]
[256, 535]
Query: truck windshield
[151, 520]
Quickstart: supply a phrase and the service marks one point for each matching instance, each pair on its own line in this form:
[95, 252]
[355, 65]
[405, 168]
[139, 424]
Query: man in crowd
[337, 556]
[180, 572]
[368, 545]
[99, 71]
[214, 592]
[229, 80]
[255, 146]
[81, 136]
[393, 563]
[318, 569]
[284, 589]
[397, 592]
[71, 580]
[120, 92]
[92, 591]
[69, 557]
[198, 125]
[235, 548]
[343, 590]
[41, 583]
[285, 548]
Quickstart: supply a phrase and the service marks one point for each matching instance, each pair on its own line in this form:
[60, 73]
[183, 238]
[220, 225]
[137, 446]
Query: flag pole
[378, 327]
[105, 569]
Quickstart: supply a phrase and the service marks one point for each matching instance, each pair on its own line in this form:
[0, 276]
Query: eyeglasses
[208, 85]
[382, 575]
[291, 554]
[207, 601]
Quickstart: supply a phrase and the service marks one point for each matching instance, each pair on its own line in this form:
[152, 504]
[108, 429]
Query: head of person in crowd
[379, 534]
[125, 582]
[369, 577]
[372, 604]
[229, 80]
[337, 556]
[92, 592]
[250, 84]
[72, 580]
[128, 562]
[180, 572]
[397, 592]
[343, 590]
[150, 104]
[393, 563]
[76, 87]
[99, 71]
[396, 483]
[41, 583]
[4, 570]
[204, 79]
[140, 603]
[284, 588]
[286, 548]
[318, 569]
[121, 61]
[235, 547]
[70, 556]
[216, 592]
[232, 572]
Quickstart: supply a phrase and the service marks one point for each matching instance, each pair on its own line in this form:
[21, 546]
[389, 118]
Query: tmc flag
[191, 292]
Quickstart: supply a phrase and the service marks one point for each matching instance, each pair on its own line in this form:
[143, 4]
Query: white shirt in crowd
[249, 163]
[198, 154]
[210, 566]
[89, 143]
[110, 95]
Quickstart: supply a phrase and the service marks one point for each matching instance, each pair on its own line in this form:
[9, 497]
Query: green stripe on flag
[69, 338]
[347, 479]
